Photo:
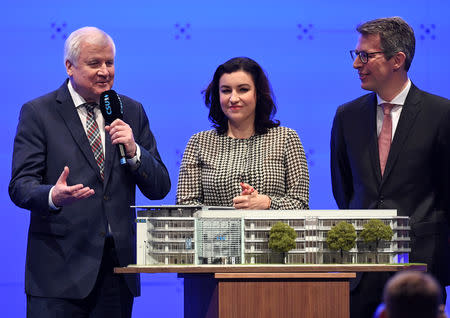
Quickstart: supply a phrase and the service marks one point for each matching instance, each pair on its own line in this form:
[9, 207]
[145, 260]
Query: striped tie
[93, 134]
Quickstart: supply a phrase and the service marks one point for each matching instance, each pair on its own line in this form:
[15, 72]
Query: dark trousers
[110, 296]
[366, 293]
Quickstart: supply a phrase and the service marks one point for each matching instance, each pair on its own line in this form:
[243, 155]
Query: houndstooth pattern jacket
[274, 163]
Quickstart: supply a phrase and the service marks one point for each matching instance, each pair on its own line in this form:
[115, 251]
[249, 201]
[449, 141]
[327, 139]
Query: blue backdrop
[167, 52]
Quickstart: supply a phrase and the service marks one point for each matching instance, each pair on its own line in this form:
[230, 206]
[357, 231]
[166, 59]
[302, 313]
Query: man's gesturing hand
[63, 194]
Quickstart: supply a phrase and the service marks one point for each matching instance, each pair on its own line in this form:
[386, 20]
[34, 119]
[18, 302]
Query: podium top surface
[227, 209]
[199, 211]
[273, 268]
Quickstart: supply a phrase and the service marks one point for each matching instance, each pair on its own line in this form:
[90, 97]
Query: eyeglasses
[363, 56]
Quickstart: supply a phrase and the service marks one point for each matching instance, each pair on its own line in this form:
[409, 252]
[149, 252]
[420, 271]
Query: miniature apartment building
[211, 235]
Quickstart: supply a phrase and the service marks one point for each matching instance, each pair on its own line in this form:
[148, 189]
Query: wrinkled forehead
[102, 50]
[97, 38]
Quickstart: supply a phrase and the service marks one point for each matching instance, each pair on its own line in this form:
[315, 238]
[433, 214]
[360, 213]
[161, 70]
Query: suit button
[105, 197]
[102, 234]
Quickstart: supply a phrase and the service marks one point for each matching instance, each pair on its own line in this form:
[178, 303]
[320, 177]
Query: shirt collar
[399, 99]
[78, 100]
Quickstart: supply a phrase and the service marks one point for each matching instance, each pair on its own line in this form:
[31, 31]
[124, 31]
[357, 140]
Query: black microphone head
[111, 106]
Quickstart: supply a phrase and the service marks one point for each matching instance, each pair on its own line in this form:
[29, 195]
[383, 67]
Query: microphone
[112, 108]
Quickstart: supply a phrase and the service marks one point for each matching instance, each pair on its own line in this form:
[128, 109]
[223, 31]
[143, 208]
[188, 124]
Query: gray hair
[395, 36]
[93, 35]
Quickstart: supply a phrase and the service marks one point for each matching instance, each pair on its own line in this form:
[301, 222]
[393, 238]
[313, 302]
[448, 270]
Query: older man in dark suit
[66, 171]
[390, 150]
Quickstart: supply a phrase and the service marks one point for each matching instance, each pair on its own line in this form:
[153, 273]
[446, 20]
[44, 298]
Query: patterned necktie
[93, 134]
[385, 137]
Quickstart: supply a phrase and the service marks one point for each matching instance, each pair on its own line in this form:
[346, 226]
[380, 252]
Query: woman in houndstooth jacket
[247, 161]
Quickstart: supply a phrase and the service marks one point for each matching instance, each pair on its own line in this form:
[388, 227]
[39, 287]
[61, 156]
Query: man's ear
[69, 68]
[399, 61]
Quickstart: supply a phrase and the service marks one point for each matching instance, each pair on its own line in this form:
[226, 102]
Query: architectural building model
[212, 235]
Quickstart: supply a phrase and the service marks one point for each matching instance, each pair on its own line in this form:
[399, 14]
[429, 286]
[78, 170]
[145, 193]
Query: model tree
[374, 232]
[341, 237]
[282, 238]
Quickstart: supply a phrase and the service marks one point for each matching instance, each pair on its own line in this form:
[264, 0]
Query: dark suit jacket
[65, 247]
[416, 179]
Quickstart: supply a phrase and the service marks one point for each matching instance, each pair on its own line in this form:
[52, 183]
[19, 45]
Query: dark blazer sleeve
[152, 176]
[341, 176]
[443, 155]
[27, 187]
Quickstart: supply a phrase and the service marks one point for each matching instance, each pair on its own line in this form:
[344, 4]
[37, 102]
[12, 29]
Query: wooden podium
[260, 291]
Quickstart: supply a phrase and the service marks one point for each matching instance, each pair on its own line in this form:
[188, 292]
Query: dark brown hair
[395, 36]
[412, 294]
[265, 105]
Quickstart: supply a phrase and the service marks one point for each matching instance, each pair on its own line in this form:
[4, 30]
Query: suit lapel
[70, 116]
[373, 138]
[410, 110]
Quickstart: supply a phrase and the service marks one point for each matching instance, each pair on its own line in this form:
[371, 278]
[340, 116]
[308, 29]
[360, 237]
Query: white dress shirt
[398, 101]
[82, 112]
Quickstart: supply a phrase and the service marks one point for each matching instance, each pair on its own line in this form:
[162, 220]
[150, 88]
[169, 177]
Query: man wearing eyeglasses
[390, 150]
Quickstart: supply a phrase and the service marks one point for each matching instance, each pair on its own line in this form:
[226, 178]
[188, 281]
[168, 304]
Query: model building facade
[204, 235]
